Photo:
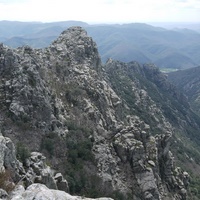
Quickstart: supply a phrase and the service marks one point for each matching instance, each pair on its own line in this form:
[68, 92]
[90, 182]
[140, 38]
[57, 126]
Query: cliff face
[103, 127]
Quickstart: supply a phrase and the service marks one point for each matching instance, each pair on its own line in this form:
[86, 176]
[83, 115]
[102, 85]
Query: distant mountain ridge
[176, 49]
[188, 81]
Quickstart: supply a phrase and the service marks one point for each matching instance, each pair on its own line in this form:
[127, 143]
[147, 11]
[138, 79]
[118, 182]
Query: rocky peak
[75, 45]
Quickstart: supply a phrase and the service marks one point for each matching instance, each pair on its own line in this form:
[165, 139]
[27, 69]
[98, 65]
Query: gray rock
[58, 177]
[41, 192]
[8, 159]
[61, 183]
[147, 183]
[38, 171]
[16, 194]
[3, 194]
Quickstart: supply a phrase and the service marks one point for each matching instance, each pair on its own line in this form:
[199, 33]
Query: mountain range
[172, 49]
[120, 130]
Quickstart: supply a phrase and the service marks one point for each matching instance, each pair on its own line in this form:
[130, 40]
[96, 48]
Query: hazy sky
[101, 11]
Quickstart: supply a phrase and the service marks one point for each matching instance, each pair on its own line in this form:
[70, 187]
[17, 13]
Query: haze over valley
[176, 48]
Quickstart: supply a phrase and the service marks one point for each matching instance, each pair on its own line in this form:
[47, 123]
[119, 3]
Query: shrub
[79, 152]
[194, 187]
[31, 80]
[22, 152]
[73, 93]
[48, 143]
[5, 183]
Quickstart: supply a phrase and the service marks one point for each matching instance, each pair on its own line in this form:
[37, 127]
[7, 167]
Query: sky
[101, 11]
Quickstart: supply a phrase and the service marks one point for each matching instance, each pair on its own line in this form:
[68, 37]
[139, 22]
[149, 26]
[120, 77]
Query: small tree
[22, 152]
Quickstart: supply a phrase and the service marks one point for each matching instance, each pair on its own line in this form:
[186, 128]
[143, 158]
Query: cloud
[9, 2]
[181, 1]
[110, 11]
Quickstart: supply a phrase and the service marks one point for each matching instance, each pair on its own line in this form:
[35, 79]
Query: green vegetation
[31, 79]
[194, 188]
[79, 152]
[80, 165]
[48, 143]
[188, 82]
[22, 152]
[120, 196]
[73, 94]
[124, 81]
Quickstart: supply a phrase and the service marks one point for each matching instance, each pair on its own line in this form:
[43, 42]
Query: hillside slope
[107, 128]
[188, 81]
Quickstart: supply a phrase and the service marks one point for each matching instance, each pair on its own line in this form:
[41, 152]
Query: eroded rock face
[8, 160]
[34, 170]
[37, 171]
[43, 91]
[147, 163]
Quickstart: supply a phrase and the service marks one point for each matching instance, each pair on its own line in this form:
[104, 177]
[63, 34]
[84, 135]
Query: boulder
[41, 192]
[3, 194]
[61, 183]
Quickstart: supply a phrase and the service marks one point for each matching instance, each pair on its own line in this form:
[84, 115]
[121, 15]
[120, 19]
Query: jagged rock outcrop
[61, 100]
[8, 160]
[34, 170]
[37, 171]
[149, 160]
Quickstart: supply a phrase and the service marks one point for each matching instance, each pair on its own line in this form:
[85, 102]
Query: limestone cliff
[107, 137]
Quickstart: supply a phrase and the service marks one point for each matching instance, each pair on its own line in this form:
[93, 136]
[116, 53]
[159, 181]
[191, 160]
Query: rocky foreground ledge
[35, 170]
[41, 192]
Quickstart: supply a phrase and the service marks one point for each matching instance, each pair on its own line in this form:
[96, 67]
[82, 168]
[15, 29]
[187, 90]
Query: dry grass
[6, 181]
